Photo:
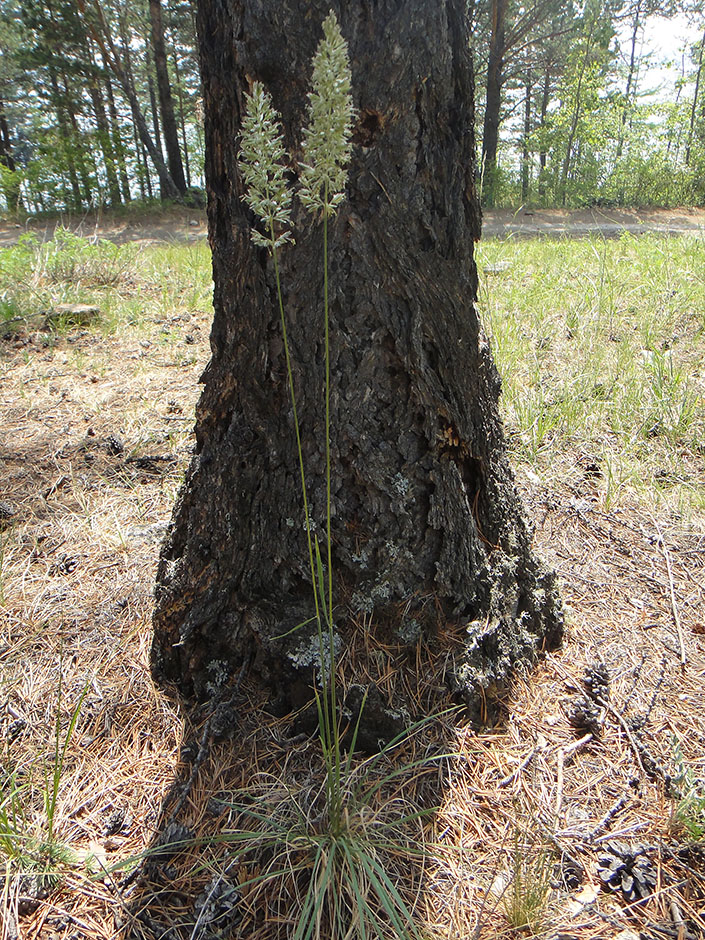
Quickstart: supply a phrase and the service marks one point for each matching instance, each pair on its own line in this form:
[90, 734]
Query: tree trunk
[525, 156]
[694, 107]
[493, 100]
[118, 145]
[429, 543]
[171, 137]
[11, 184]
[101, 35]
[105, 139]
[65, 135]
[543, 153]
[577, 109]
[630, 82]
[77, 143]
[182, 119]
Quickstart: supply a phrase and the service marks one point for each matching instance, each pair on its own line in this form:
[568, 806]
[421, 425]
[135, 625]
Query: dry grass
[78, 562]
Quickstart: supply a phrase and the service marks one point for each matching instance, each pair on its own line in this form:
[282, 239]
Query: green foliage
[689, 813]
[35, 276]
[592, 131]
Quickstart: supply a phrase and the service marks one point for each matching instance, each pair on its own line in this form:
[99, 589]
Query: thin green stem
[327, 342]
[335, 808]
[290, 376]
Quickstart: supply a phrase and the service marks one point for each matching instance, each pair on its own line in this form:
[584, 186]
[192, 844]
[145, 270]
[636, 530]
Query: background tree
[429, 544]
[171, 137]
[511, 26]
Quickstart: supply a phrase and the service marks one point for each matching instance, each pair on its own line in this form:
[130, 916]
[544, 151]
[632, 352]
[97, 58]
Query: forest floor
[95, 434]
[185, 225]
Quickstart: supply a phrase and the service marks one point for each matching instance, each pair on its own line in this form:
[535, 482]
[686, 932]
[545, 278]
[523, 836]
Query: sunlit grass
[600, 344]
[128, 283]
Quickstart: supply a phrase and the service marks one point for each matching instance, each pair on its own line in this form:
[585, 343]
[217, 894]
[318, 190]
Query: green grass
[28, 840]
[129, 283]
[688, 818]
[600, 345]
[526, 899]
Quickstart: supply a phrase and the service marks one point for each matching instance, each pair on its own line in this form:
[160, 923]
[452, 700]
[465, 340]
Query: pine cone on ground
[7, 512]
[584, 715]
[627, 868]
[114, 445]
[597, 681]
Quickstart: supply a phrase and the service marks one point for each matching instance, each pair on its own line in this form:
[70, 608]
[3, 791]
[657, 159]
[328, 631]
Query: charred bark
[427, 527]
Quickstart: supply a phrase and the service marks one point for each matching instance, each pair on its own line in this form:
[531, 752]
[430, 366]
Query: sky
[667, 39]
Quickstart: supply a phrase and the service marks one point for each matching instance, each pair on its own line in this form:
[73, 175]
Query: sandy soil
[190, 224]
[174, 224]
[579, 222]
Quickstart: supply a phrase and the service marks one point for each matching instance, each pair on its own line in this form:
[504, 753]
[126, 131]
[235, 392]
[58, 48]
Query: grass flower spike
[327, 138]
[261, 163]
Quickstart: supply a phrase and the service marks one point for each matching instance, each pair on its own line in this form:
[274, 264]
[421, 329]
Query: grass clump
[35, 859]
[128, 283]
[525, 901]
[689, 813]
[328, 873]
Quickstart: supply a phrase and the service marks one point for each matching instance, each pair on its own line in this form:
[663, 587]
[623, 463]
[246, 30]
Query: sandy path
[190, 224]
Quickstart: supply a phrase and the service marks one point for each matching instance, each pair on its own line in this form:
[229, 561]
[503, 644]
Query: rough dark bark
[427, 527]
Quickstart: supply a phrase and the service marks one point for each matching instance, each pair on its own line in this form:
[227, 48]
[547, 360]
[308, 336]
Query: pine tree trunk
[171, 137]
[429, 539]
[105, 140]
[123, 73]
[543, 154]
[182, 120]
[73, 201]
[118, 145]
[11, 186]
[525, 156]
[493, 101]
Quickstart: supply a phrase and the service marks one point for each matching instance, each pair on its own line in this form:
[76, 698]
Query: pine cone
[627, 869]
[7, 512]
[597, 681]
[114, 445]
[584, 715]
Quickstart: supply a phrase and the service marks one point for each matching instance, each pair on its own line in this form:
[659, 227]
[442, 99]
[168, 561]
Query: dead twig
[563, 755]
[510, 778]
[672, 589]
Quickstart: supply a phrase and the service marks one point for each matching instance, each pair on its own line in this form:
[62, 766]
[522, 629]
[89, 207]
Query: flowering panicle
[326, 142]
[261, 163]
